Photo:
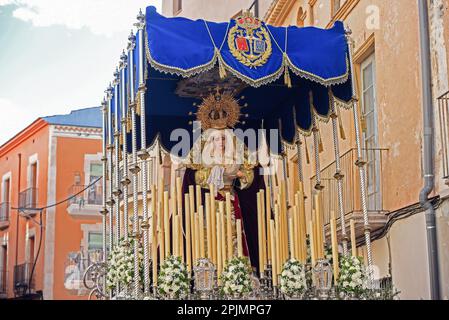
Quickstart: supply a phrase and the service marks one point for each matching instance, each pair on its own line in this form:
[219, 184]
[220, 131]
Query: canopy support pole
[117, 192]
[134, 169]
[360, 163]
[339, 176]
[143, 154]
[318, 185]
[104, 210]
[125, 181]
[110, 196]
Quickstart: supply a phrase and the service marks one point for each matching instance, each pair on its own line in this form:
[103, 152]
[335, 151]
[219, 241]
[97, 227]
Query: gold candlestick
[264, 230]
[259, 231]
[312, 243]
[268, 221]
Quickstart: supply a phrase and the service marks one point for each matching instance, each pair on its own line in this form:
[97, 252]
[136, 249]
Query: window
[370, 134]
[94, 191]
[177, 7]
[31, 244]
[300, 18]
[336, 4]
[95, 241]
[6, 190]
[33, 181]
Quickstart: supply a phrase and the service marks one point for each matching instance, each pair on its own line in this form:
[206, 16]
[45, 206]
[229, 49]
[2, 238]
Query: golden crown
[218, 111]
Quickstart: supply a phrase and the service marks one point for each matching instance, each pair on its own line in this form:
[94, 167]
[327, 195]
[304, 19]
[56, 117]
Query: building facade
[52, 164]
[387, 71]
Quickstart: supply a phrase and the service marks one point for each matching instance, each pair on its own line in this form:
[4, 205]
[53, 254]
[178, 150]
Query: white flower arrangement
[352, 279]
[173, 280]
[293, 278]
[236, 277]
[121, 264]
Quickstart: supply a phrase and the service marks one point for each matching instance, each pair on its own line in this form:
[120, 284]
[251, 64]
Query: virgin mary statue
[224, 162]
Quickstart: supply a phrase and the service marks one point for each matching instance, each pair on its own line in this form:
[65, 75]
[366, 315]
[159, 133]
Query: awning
[186, 58]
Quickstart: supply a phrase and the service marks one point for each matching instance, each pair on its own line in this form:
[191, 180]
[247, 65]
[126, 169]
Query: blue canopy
[314, 63]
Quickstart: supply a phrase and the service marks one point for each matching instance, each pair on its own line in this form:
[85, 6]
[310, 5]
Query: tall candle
[166, 225]
[229, 226]
[208, 227]
[291, 238]
[319, 226]
[201, 231]
[179, 194]
[259, 232]
[312, 242]
[197, 237]
[219, 256]
[198, 197]
[180, 238]
[264, 230]
[277, 241]
[268, 221]
[175, 237]
[333, 224]
[302, 222]
[154, 243]
[223, 232]
[161, 238]
[273, 253]
[353, 238]
[214, 223]
[188, 234]
[239, 238]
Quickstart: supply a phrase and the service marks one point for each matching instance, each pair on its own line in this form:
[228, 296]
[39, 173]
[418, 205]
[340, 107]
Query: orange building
[47, 250]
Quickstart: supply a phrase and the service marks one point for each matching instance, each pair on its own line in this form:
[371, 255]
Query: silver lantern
[204, 278]
[322, 276]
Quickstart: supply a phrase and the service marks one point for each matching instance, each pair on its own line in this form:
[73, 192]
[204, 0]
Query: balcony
[352, 208]
[85, 203]
[443, 109]
[4, 215]
[3, 284]
[22, 283]
[75, 267]
[28, 201]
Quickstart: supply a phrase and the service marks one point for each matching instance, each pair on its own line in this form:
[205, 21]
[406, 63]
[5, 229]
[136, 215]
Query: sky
[59, 55]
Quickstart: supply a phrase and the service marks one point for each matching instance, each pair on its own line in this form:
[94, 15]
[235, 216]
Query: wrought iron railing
[28, 199]
[84, 195]
[22, 283]
[4, 212]
[375, 166]
[443, 109]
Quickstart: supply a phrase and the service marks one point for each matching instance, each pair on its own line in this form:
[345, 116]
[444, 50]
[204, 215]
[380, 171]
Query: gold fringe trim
[307, 151]
[287, 78]
[340, 124]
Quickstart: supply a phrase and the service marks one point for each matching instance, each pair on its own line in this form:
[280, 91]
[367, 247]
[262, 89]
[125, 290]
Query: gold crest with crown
[249, 41]
[218, 111]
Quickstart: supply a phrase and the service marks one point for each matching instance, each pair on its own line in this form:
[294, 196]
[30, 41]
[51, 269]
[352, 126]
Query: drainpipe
[428, 149]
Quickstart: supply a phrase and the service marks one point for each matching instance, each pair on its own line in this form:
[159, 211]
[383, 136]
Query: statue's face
[219, 141]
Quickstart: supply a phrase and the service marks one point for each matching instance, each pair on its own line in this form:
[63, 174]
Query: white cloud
[101, 17]
[18, 119]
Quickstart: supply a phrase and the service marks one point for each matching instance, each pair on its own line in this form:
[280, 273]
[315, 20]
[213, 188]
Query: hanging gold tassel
[287, 78]
[221, 67]
[340, 124]
[307, 151]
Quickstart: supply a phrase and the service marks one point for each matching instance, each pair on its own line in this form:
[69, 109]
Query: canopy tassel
[340, 124]
[307, 151]
[221, 67]
[287, 78]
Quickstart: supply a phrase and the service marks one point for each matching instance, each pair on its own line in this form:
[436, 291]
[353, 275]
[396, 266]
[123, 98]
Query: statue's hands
[240, 174]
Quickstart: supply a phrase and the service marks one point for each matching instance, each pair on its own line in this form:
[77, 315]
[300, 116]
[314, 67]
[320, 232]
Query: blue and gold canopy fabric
[285, 74]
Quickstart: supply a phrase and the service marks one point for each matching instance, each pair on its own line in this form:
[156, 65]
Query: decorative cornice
[343, 12]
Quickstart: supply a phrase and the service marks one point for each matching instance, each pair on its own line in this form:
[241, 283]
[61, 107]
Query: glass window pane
[368, 76]
[96, 170]
[95, 241]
